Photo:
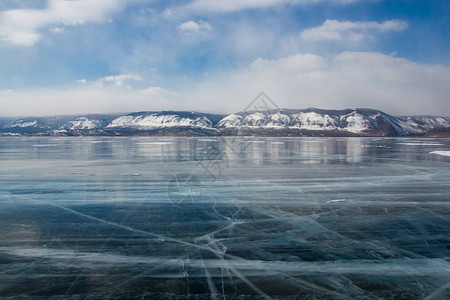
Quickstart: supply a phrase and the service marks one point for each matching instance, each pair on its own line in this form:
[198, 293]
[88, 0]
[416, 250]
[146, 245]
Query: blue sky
[86, 56]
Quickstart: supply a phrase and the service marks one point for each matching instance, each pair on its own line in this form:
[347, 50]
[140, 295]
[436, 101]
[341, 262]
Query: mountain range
[277, 122]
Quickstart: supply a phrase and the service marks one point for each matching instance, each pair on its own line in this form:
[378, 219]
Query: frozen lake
[216, 218]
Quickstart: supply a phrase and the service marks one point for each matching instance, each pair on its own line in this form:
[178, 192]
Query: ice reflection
[327, 218]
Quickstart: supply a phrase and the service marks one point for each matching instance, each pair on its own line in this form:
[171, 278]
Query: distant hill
[279, 122]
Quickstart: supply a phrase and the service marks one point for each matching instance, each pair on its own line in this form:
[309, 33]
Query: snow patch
[335, 201]
[355, 122]
[155, 143]
[82, 123]
[314, 121]
[159, 121]
[257, 119]
[230, 121]
[444, 153]
[421, 144]
[278, 120]
[21, 124]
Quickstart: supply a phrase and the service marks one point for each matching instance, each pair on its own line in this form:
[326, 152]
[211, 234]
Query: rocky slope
[290, 122]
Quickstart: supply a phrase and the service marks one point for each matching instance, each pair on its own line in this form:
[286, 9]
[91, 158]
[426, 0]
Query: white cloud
[292, 64]
[192, 26]
[118, 80]
[20, 27]
[337, 30]
[225, 6]
[167, 13]
[56, 29]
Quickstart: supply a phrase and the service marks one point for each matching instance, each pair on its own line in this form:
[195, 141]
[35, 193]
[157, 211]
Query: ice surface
[422, 144]
[224, 218]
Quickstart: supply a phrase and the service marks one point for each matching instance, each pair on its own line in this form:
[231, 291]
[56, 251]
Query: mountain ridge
[279, 122]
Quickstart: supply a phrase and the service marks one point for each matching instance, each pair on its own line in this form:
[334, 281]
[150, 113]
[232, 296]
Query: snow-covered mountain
[152, 120]
[349, 122]
[165, 122]
[335, 122]
[54, 124]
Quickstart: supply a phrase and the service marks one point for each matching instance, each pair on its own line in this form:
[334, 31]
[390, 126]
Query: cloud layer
[227, 6]
[347, 80]
[21, 27]
[337, 30]
[88, 98]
